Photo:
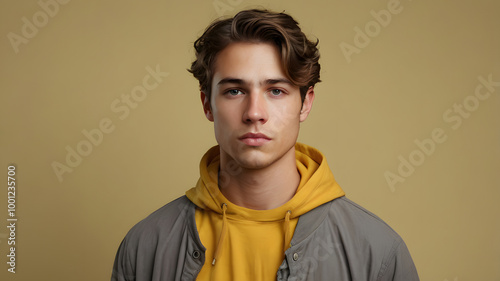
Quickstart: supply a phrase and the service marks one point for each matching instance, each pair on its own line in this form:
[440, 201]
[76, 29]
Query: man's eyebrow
[277, 80]
[230, 80]
[238, 81]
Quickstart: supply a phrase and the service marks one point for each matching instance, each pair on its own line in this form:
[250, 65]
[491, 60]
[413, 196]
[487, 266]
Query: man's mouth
[254, 139]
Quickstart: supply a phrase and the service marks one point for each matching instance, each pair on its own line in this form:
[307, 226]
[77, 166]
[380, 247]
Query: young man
[265, 207]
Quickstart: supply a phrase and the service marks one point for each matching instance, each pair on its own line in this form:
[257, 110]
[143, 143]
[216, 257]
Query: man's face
[255, 109]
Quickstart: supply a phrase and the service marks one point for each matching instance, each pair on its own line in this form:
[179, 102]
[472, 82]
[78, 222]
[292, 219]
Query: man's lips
[254, 136]
[254, 139]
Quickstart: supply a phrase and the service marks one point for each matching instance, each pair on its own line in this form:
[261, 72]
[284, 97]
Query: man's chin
[254, 160]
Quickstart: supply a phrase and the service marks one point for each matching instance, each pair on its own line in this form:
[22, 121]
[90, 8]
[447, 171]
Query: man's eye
[234, 92]
[276, 92]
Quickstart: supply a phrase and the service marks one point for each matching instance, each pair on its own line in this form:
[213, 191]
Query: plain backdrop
[408, 128]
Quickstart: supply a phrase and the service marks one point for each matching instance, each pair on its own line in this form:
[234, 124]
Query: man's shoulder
[369, 240]
[346, 239]
[155, 242]
[345, 211]
[354, 219]
[348, 222]
[164, 220]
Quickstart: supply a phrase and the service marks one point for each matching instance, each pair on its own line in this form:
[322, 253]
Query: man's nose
[256, 108]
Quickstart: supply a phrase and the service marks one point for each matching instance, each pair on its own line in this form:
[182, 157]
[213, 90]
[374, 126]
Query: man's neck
[261, 189]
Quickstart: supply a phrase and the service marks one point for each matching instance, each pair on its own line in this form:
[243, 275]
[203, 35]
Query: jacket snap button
[295, 256]
[196, 254]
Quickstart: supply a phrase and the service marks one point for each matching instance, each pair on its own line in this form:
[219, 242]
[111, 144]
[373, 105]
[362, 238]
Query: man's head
[257, 73]
[299, 56]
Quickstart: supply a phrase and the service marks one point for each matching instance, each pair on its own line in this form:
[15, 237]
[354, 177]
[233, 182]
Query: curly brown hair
[299, 56]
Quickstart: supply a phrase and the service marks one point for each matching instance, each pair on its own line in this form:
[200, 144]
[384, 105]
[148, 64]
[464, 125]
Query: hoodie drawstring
[287, 230]
[223, 232]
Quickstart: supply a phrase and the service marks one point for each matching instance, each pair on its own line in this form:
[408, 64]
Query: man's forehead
[248, 61]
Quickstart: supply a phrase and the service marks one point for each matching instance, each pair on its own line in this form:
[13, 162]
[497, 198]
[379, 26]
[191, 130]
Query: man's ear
[207, 108]
[307, 104]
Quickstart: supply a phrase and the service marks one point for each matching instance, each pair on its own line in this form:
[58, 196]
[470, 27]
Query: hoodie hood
[317, 186]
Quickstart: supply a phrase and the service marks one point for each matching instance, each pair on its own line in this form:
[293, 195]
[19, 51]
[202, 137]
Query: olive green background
[370, 110]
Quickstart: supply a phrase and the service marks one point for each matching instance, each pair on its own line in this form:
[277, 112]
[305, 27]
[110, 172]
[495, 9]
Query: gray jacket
[338, 240]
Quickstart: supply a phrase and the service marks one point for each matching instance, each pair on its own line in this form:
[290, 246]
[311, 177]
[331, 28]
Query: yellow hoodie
[245, 244]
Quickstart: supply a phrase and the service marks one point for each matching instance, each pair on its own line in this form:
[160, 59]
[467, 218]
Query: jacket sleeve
[123, 269]
[399, 267]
